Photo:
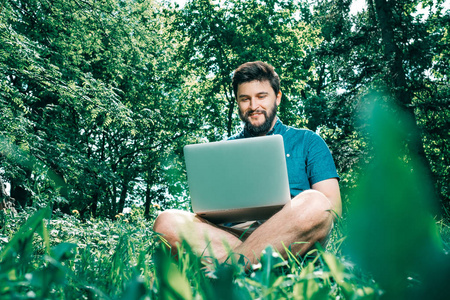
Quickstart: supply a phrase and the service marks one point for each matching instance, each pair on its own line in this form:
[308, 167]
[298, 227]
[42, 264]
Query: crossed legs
[305, 220]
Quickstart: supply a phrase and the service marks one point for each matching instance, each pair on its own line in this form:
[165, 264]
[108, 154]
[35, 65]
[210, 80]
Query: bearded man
[313, 181]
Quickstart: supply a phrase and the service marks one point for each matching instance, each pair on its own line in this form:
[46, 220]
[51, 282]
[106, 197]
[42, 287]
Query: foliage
[61, 257]
[64, 258]
[394, 205]
[70, 258]
[220, 36]
[98, 98]
[90, 88]
[104, 95]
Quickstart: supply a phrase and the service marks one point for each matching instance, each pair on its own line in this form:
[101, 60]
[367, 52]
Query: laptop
[237, 180]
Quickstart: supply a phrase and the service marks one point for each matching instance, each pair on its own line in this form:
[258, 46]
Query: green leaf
[309, 286]
[172, 283]
[22, 240]
[63, 251]
[392, 232]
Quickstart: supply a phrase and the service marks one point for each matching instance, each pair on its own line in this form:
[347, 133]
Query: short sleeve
[319, 161]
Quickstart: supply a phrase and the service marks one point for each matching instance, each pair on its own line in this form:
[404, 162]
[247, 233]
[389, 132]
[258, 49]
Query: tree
[219, 37]
[93, 85]
[104, 95]
[412, 46]
[386, 48]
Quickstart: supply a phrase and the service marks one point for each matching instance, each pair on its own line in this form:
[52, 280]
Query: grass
[60, 257]
[393, 249]
[44, 256]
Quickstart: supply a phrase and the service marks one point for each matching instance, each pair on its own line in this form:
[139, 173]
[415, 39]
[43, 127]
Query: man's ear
[279, 98]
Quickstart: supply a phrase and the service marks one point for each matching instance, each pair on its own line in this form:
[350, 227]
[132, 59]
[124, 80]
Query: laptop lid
[237, 180]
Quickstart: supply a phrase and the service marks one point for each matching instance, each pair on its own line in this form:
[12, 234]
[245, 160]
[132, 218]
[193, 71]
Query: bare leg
[306, 219]
[202, 236]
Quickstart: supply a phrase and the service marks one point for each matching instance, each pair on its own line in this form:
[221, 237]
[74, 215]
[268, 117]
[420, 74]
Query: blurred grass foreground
[392, 232]
[392, 250]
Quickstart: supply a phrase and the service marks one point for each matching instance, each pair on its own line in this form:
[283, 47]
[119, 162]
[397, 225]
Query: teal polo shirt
[308, 157]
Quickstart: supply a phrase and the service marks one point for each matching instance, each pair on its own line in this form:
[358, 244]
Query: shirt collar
[276, 128]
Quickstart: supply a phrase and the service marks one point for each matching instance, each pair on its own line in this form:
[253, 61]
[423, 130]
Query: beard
[262, 129]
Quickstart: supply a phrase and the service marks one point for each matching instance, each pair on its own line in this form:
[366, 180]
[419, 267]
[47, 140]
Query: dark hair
[256, 70]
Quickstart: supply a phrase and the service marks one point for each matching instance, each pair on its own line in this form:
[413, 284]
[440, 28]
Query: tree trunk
[148, 193]
[393, 54]
[123, 196]
[6, 202]
[19, 193]
[397, 81]
[113, 210]
[232, 103]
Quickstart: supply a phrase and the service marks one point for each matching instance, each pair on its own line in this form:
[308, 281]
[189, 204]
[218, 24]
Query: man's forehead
[255, 86]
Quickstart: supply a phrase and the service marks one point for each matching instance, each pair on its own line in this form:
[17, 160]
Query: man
[305, 220]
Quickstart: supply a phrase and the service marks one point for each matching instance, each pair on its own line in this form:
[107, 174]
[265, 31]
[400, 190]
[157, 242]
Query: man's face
[257, 104]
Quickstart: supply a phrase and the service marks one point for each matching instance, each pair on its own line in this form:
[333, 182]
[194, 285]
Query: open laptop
[237, 180]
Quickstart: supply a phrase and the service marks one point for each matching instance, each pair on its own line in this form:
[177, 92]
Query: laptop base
[240, 214]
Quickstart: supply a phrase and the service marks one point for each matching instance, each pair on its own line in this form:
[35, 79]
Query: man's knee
[313, 213]
[168, 221]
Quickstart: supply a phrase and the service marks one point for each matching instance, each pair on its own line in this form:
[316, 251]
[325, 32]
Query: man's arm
[330, 188]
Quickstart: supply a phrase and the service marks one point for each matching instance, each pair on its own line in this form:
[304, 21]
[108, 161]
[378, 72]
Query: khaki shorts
[242, 230]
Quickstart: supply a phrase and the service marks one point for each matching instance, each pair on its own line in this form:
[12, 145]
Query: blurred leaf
[337, 271]
[270, 260]
[309, 286]
[135, 290]
[172, 283]
[21, 243]
[391, 230]
[63, 251]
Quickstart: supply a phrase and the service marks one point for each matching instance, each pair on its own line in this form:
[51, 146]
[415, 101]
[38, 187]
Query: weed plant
[402, 253]
[44, 256]
[47, 256]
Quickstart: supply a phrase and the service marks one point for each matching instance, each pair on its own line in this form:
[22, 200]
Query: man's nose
[254, 104]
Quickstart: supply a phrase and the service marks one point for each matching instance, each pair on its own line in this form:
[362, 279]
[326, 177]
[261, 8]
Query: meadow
[59, 256]
[390, 244]
[98, 99]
